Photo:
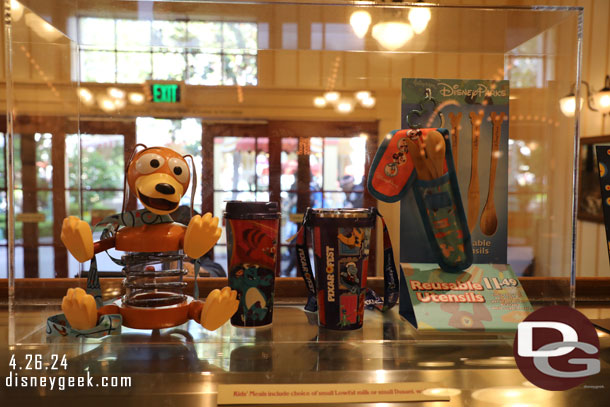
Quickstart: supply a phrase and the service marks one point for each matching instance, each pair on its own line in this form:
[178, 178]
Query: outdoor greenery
[198, 52]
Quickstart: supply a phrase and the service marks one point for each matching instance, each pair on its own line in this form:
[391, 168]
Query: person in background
[354, 196]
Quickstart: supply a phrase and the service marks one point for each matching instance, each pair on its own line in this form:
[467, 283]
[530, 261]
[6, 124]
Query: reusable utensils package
[422, 159]
[341, 239]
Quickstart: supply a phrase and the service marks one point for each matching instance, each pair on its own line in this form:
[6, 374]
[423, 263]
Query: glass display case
[286, 102]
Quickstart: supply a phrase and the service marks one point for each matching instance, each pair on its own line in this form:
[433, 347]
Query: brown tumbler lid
[252, 210]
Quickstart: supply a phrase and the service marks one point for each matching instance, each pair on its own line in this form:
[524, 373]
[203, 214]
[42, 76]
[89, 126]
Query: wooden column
[129, 143]
[303, 176]
[369, 201]
[275, 165]
[58, 160]
[207, 176]
[30, 204]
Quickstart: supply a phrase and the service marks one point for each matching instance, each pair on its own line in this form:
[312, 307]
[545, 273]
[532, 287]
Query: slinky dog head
[158, 177]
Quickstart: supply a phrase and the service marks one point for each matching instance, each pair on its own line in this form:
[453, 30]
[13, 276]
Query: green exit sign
[165, 92]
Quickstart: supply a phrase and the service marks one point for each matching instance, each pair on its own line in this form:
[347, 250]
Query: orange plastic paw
[80, 309]
[219, 307]
[76, 236]
[201, 235]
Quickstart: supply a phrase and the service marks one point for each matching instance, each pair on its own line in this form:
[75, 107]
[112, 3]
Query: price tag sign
[485, 297]
[328, 393]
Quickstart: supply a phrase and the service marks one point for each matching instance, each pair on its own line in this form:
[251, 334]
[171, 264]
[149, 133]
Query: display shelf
[60, 75]
[186, 364]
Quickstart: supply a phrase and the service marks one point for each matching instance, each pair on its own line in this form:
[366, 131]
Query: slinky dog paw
[219, 307]
[76, 236]
[201, 235]
[80, 309]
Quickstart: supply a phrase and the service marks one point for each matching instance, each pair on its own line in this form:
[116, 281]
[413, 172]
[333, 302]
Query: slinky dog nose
[166, 189]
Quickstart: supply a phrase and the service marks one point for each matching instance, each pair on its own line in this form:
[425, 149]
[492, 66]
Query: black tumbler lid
[252, 210]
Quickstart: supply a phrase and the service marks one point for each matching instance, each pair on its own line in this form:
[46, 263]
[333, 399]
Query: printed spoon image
[473, 188]
[489, 219]
[455, 135]
[435, 151]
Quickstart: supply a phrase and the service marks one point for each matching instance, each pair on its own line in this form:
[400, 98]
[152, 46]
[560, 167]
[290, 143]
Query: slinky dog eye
[149, 163]
[180, 169]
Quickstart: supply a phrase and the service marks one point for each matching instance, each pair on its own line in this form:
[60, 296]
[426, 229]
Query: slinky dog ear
[125, 184]
[193, 181]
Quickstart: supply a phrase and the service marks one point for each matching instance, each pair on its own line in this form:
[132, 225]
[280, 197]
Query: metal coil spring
[153, 279]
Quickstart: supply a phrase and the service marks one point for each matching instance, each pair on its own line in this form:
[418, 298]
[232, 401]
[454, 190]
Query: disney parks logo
[480, 90]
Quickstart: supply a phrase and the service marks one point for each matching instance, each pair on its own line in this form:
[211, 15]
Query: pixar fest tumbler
[341, 239]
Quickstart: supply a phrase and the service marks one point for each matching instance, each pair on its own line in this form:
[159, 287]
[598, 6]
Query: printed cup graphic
[252, 247]
[341, 239]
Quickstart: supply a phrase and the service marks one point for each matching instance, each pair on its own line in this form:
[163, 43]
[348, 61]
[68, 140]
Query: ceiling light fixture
[419, 18]
[392, 34]
[597, 101]
[360, 22]
[319, 101]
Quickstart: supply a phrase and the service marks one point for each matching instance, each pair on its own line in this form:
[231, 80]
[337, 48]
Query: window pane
[316, 200]
[343, 200]
[92, 32]
[289, 207]
[341, 37]
[290, 164]
[262, 196]
[344, 163]
[219, 206]
[204, 69]
[234, 164]
[41, 162]
[168, 66]
[133, 67]
[46, 258]
[289, 261]
[205, 35]
[133, 35]
[98, 204]
[3, 208]
[18, 199]
[103, 165]
[44, 165]
[220, 255]
[240, 70]
[2, 167]
[73, 204]
[239, 37]
[72, 160]
[45, 206]
[316, 163]
[262, 167]
[168, 33]
[97, 66]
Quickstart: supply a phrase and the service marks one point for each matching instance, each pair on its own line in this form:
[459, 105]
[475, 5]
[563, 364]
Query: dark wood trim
[120, 127]
[30, 204]
[275, 167]
[303, 128]
[129, 144]
[369, 201]
[541, 290]
[58, 149]
[207, 178]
